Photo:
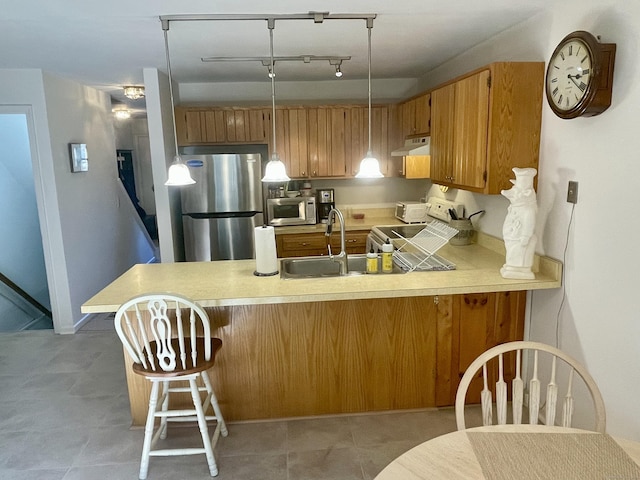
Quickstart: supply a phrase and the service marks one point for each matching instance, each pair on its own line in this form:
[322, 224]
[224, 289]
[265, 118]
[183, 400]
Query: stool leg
[148, 430]
[214, 403]
[202, 423]
[165, 407]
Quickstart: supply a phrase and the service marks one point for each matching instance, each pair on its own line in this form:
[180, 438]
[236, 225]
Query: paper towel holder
[267, 274]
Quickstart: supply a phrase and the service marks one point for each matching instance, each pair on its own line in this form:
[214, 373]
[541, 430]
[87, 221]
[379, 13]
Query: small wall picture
[79, 158]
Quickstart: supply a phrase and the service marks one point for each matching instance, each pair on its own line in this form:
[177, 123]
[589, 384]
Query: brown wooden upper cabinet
[416, 115]
[291, 140]
[485, 123]
[200, 125]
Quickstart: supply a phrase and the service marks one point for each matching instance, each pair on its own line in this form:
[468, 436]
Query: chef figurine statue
[519, 225]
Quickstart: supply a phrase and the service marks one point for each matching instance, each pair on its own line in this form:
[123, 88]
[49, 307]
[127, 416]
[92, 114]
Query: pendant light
[275, 170]
[369, 166]
[179, 174]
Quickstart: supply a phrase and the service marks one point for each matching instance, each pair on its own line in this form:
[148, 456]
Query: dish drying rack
[419, 251]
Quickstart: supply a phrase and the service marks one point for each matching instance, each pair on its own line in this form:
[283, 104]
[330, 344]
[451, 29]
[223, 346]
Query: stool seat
[159, 333]
[200, 364]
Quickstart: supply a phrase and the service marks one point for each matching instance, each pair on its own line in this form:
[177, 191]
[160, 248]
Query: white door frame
[43, 213]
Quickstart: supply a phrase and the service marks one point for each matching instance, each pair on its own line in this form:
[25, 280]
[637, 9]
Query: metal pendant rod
[369, 27]
[271, 26]
[165, 29]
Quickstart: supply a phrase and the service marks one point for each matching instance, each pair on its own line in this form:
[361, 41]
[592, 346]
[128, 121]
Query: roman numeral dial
[568, 75]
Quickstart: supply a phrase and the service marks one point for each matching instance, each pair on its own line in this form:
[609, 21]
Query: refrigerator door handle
[223, 215]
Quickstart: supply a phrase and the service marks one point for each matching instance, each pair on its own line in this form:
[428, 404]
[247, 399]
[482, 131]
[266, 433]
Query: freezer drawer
[228, 238]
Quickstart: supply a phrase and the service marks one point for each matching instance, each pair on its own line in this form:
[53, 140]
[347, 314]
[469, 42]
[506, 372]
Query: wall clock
[580, 76]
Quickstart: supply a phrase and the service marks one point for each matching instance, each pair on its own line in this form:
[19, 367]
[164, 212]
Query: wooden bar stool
[152, 329]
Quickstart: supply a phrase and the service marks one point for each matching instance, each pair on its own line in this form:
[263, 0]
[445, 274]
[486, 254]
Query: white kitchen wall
[88, 239]
[594, 314]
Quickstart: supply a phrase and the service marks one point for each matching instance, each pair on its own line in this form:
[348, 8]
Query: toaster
[412, 212]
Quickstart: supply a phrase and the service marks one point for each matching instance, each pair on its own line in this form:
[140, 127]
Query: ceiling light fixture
[133, 92]
[266, 61]
[369, 166]
[275, 170]
[122, 113]
[179, 174]
[271, 73]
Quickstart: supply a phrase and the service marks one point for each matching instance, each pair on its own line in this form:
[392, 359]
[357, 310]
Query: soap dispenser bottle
[387, 257]
[372, 261]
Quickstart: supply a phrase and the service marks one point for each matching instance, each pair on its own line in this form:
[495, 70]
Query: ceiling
[107, 44]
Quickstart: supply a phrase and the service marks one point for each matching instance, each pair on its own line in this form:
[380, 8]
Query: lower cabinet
[468, 325]
[308, 244]
[345, 356]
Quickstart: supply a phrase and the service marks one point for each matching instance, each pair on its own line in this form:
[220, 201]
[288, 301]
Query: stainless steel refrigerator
[220, 212]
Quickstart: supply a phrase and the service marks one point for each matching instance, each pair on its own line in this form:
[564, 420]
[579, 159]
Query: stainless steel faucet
[341, 258]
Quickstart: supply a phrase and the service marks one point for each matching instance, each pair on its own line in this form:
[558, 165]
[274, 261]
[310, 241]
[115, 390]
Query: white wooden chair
[152, 329]
[555, 361]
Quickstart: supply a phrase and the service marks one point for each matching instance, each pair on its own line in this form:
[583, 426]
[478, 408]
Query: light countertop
[231, 282]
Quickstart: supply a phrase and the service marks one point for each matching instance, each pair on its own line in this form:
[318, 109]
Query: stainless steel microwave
[291, 211]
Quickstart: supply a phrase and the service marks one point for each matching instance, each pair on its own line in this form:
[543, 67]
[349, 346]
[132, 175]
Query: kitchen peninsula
[346, 344]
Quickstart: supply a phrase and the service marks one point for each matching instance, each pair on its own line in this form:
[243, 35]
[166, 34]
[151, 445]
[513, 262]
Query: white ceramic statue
[519, 225]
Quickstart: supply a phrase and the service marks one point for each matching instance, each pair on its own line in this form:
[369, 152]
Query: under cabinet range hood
[413, 146]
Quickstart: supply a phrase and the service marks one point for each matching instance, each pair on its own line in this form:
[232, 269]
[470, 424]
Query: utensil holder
[465, 232]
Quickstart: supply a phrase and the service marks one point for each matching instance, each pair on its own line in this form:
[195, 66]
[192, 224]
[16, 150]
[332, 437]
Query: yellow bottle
[387, 257]
[372, 261]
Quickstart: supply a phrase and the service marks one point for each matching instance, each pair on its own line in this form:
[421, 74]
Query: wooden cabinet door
[423, 114]
[340, 135]
[408, 118]
[319, 144]
[360, 137]
[329, 141]
[416, 116]
[291, 140]
[442, 134]
[460, 124]
[188, 126]
[468, 325]
[471, 125]
[215, 126]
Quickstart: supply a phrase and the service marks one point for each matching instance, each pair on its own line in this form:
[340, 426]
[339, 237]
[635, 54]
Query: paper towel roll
[265, 246]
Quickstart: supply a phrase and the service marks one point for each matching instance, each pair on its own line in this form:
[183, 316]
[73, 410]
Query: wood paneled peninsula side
[339, 345]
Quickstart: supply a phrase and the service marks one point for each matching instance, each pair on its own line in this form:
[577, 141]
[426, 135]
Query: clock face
[569, 75]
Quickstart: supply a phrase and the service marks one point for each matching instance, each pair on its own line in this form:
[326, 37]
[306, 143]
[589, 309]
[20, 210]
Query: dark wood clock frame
[598, 98]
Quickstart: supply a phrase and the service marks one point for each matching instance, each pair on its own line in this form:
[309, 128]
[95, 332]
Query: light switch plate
[440, 208]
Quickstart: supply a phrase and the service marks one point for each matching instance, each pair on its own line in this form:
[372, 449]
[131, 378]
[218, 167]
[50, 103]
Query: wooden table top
[464, 455]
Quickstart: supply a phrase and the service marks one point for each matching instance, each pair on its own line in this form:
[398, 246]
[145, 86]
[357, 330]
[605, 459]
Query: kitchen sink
[320, 267]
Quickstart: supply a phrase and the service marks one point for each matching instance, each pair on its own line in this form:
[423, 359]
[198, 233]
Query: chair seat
[201, 363]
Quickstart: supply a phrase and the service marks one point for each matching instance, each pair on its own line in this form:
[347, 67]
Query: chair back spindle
[556, 359]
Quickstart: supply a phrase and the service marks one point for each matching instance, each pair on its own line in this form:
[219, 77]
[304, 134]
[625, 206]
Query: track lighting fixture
[338, 71]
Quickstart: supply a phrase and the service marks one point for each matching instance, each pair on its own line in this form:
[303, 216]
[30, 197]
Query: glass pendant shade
[179, 174]
[369, 167]
[275, 171]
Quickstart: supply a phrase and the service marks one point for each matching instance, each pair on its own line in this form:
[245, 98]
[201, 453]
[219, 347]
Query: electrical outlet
[572, 192]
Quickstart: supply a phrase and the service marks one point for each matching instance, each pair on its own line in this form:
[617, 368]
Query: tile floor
[64, 415]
